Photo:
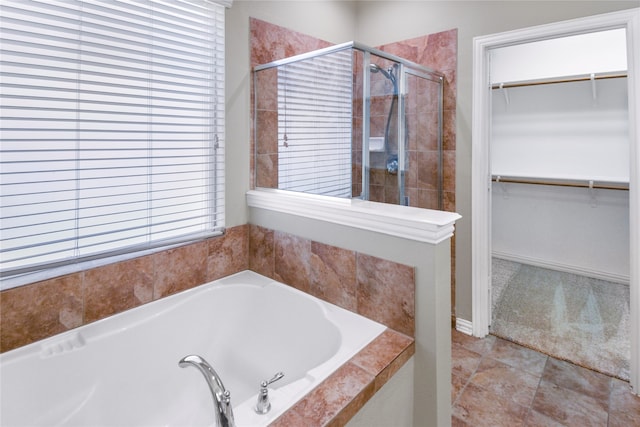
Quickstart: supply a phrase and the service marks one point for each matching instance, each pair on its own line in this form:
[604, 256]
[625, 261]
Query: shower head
[375, 68]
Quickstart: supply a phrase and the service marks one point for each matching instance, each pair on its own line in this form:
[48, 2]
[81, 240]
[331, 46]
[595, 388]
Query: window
[112, 132]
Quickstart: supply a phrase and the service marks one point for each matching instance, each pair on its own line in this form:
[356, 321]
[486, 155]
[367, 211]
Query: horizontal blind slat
[116, 109]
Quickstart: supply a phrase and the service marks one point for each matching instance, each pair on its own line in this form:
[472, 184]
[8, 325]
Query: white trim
[464, 326]
[225, 3]
[481, 178]
[566, 268]
[422, 225]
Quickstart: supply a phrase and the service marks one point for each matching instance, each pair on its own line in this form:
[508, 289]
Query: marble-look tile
[536, 419]
[624, 407]
[428, 170]
[33, 312]
[267, 89]
[117, 287]
[379, 358]
[478, 345]
[333, 275]
[266, 173]
[464, 362]
[576, 378]
[449, 170]
[449, 130]
[518, 357]
[457, 385]
[506, 381]
[270, 42]
[479, 407]
[568, 407]
[457, 422]
[329, 403]
[267, 132]
[450, 201]
[386, 293]
[262, 250]
[293, 260]
[228, 254]
[180, 269]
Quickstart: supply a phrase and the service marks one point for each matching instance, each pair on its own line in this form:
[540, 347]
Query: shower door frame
[481, 171]
[405, 67]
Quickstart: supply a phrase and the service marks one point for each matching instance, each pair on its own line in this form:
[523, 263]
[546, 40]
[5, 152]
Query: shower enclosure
[350, 121]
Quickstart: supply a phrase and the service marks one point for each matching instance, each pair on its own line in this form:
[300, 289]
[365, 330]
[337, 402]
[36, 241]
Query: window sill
[422, 225]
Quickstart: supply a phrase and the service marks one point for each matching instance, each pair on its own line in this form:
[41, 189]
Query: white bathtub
[123, 370]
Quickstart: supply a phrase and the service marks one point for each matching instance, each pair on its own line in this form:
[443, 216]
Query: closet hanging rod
[580, 78]
[562, 182]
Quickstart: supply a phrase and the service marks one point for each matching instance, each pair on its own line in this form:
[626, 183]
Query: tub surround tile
[39, 310]
[34, 312]
[385, 355]
[117, 287]
[262, 250]
[386, 293]
[324, 405]
[293, 260]
[333, 275]
[180, 269]
[228, 255]
[346, 391]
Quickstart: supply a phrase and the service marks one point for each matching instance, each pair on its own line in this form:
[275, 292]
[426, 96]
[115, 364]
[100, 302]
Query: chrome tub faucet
[221, 396]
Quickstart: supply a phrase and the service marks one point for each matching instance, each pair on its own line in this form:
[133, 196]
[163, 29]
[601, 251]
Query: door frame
[481, 171]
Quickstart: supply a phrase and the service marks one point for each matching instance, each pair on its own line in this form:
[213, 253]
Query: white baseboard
[464, 326]
[536, 262]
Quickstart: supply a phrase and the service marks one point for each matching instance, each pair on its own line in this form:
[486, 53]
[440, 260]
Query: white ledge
[422, 225]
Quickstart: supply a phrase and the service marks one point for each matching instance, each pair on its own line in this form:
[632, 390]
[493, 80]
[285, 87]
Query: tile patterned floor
[498, 383]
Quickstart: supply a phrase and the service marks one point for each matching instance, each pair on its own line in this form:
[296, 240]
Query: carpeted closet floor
[570, 317]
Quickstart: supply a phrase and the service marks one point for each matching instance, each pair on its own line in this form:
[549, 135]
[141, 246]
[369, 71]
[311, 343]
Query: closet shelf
[581, 183]
[567, 79]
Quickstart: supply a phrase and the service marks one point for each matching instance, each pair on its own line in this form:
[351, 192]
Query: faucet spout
[221, 396]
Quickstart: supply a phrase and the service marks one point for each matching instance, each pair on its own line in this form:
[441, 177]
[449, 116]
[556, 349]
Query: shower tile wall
[439, 52]
[382, 290]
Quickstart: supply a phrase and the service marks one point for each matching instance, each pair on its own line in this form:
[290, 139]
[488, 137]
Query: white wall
[563, 228]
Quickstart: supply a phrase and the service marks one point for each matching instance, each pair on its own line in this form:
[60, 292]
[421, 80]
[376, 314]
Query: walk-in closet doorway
[484, 174]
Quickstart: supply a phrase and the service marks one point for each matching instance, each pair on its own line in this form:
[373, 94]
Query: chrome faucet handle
[263, 405]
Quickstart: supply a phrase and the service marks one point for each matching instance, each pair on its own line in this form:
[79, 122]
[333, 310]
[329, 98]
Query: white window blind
[314, 125]
[112, 128]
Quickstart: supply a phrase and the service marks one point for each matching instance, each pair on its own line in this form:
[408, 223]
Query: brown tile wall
[375, 288]
[39, 310]
[378, 289]
[437, 51]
